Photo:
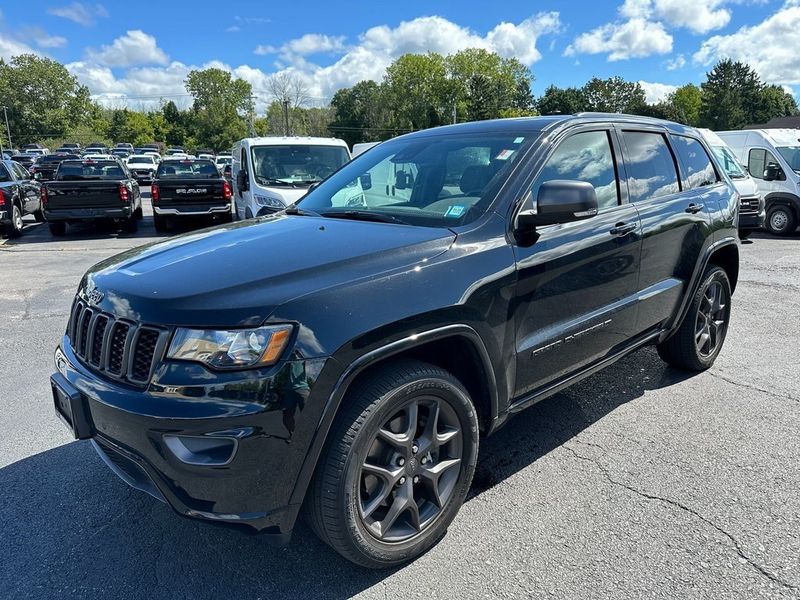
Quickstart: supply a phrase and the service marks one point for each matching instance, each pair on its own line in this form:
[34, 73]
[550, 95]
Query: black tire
[160, 223]
[226, 218]
[383, 402]
[781, 220]
[139, 214]
[14, 229]
[39, 216]
[687, 348]
[248, 214]
[58, 228]
[131, 224]
[745, 233]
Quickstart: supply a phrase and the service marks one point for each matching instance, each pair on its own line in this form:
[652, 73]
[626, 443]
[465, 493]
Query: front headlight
[233, 349]
[268, 201]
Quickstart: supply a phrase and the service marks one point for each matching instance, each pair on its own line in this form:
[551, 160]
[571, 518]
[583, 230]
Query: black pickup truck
[19, 196]
[45, 168]
[92, 190]
[190, 187]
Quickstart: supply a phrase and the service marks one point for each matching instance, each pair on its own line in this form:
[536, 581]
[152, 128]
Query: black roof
[548, 123]
[778, 123]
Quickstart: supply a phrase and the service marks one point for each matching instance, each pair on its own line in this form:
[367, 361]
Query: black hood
[237, 275]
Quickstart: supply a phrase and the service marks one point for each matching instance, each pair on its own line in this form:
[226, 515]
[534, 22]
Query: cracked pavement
[638, 482]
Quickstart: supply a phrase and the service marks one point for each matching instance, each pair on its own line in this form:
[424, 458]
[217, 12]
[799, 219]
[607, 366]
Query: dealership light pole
[8, 129]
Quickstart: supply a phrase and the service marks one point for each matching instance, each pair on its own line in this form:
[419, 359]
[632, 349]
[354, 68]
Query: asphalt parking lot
[638, 482]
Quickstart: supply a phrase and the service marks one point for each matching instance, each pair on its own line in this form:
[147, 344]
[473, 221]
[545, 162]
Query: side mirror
[366, 181]
[241, 181]
[559, 201]
[773, 172]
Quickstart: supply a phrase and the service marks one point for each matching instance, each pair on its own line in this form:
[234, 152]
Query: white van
[362, 147]
[751, 200]
[773, 158]
[270, 173]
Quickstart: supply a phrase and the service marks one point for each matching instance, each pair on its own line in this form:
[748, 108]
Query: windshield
[729, 163]
[296, 165]
[89, 170]
[791, 154]
[149, 160]
[187, 169]
[440, 181]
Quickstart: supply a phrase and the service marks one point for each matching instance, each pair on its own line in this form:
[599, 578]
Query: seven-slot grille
[118, 348]
[749, 204]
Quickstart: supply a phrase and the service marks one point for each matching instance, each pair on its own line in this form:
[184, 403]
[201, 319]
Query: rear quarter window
[697, 170]
[649, 165]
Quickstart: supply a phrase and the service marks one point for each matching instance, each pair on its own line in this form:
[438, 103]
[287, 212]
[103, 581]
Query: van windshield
[293, 165]
[791, 154]
[729, 163]
[442, 181]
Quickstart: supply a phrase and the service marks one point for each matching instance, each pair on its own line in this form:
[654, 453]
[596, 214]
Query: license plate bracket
[70, 407]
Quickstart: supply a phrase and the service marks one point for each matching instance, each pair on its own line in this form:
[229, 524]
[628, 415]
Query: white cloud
[366, 58]
[134, 48]
[11, 47]
[656, 92]
[82, 13]
[770, 47]
[636, 38]
[675, 63]
[699, 16]
[43, 39]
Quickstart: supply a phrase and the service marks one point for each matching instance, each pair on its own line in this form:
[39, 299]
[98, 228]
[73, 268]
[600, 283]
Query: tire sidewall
[717, 274]
[16, 220]
[398, 552]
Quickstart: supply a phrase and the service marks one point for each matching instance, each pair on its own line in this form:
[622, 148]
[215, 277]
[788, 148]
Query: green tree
[731, 96]
[774, 101]
[418, 90]
[565, 101]
[220, 102]
[614, 95]
[359, 113]
[43, 98]
[685, 104]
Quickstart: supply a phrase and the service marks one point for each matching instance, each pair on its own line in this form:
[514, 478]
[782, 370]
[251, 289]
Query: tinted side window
[4, 174]
[20, 171]
[588, 157]
[757, 161]
[697, 169]
[650, 166]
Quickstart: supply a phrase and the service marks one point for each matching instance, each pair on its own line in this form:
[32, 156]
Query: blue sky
[136, 52]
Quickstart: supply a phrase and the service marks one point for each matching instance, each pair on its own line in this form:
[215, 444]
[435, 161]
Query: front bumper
[749, 221]
[264, 421]
[87, 214]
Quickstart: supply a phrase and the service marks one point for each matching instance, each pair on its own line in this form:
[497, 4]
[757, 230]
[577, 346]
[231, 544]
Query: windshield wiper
[302, 212]
[363, 215]
[273, 181]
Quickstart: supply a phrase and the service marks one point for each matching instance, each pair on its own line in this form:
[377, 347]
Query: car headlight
[268, 201]
[231, 349]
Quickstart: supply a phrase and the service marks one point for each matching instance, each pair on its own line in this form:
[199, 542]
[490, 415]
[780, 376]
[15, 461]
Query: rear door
[27, 188]
[576, 294]
[675, 202]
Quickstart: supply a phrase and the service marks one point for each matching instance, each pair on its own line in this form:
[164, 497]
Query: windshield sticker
[504, 154]
[455, 211]
[519, 140]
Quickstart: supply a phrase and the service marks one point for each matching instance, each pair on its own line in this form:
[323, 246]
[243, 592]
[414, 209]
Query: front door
[576, 296]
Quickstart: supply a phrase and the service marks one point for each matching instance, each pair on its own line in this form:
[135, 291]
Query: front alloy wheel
[397, 465]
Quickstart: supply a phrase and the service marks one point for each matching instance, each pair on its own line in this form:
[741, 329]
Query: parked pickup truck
[45, 168]
[92, 190]
[19, 196]
[190, 187]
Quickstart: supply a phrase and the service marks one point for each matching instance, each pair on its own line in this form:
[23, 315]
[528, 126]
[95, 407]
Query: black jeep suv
[344, 355]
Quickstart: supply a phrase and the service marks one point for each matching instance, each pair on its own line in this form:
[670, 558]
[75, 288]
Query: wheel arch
[466, 355]
[785, 199]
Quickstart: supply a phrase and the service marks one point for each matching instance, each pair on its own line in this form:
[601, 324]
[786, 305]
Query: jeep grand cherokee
[344, 355]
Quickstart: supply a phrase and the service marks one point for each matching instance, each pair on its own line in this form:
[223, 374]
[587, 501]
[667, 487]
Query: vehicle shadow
[71, 529]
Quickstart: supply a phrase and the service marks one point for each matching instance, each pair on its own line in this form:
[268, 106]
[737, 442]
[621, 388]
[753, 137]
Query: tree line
[48, 105]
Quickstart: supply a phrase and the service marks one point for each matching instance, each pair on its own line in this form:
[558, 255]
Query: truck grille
[118, 348]
[749, 204]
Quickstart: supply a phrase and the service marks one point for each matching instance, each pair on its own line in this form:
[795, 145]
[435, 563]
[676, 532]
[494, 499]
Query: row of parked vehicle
[272, 173]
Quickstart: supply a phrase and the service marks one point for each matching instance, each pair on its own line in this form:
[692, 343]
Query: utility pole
[286, 117]
[455, 116]
[8, 129]
[251, 109]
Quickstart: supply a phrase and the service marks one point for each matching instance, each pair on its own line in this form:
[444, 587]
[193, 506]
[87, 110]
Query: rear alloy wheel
[398, 465]
[15, 228]
[781, 220]
[698, 341]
